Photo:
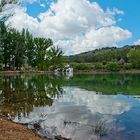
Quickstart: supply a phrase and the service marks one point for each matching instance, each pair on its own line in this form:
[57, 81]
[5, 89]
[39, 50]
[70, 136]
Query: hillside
[102, 55]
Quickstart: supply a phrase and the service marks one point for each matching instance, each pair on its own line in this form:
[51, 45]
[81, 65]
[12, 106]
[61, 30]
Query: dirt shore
[132, 71]
[12, 131]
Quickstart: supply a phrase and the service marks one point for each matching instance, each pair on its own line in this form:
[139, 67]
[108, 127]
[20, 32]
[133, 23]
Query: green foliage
[55, 57]
[80, 66]
[127, 57]
[134, 57]
[41, 46]
[20, 48]
[29, 48]
[99, 66]
[12, 46]
[101, 55]
[113, 66]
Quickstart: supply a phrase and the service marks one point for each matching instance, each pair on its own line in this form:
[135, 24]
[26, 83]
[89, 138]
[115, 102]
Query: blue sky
[123, 27]
[130, 19]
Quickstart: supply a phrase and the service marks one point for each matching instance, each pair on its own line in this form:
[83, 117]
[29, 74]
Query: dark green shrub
[104, 62]
[113, 66]
[128, 66]
[80, 66]
[134, 57]
[99, 66]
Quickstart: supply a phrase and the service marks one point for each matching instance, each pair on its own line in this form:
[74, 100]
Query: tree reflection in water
[19, 94]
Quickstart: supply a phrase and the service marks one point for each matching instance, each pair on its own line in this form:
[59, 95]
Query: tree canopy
[18, 49]
[134, 57]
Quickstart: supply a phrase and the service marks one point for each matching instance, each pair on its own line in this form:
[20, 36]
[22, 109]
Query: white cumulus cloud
[95, 39]
[137, 42]
[115, 11]
[75, 26]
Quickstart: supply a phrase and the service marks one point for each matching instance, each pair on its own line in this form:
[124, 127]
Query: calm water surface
[82, 107]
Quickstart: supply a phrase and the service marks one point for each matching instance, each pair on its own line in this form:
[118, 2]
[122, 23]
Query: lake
[80, 107]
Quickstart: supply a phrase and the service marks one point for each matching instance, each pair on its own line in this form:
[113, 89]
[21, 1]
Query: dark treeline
[127, 57]
[21, 50]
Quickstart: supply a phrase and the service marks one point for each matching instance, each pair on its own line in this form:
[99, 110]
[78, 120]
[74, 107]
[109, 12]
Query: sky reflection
[76, 113]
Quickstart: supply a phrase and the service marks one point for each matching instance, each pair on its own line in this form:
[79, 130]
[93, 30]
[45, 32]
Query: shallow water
[82, 107]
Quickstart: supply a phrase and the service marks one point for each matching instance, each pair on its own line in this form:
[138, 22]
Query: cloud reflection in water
[81, 110]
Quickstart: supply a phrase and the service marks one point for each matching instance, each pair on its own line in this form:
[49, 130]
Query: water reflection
[108, 83]
[83, 107]
[78, 113]
[19, 94]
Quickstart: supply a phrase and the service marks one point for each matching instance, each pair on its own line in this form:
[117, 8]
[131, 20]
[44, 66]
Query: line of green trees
[112, 59]
[20, 49]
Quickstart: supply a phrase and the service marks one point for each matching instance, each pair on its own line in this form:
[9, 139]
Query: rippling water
[82, 107]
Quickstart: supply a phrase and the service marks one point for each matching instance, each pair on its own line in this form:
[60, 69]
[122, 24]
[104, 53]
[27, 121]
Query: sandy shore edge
[12, 131]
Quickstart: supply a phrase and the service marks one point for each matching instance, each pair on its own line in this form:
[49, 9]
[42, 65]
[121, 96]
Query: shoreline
[133, 71]
[13, 131]
[10, 130]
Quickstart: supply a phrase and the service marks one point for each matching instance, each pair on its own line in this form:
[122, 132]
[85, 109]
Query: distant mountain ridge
[102, 55]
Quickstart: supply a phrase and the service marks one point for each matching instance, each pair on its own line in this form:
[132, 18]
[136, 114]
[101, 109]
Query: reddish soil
[12, 131]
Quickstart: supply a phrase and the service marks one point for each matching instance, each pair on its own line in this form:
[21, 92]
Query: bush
[134, 57]
[99, 66]
[80, 66]
[113, 66]
[127, 66]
